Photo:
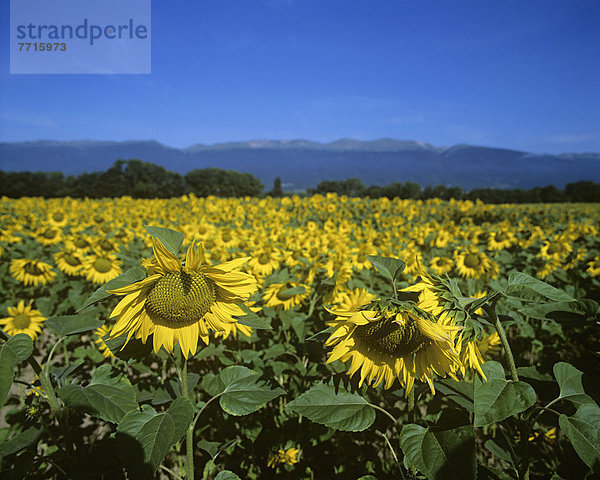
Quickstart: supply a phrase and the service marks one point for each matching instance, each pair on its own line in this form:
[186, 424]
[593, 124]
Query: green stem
[382, 410]
[387, 441]
[411, 405]
[491, 312]
[49, 392]
[189, 436]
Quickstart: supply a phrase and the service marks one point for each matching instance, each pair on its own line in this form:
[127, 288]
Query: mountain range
[303, 164]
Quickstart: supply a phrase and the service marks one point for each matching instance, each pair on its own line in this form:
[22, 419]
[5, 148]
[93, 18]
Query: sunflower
[283, 457]
[286, 295]
[48, 235]
[501, 239]
[31, 272]
[69, 262]
[23, 319]
[265, 262]
[178, 304]
[441, 265]
[437, 299]
[58, 218]
[80, 242]
[556, 248]
[101, 267]
[594, 266]
[100, 332]
[472, 263]
[396, 343]
[352, 300]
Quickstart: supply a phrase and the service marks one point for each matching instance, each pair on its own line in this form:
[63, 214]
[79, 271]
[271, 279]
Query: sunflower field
[298, 337]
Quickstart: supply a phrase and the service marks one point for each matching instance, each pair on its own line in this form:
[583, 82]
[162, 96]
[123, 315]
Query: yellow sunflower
[472, 263]
[31, 272]
[80, 242]
[352, 300]
[556, 248]
[265, 262]
[49, 235]
[436, 298]
[23, 319]
[178, 304]
[58, 218]
[594, 266]
[279, 295]
[283, 457]
[101, 268]
[69, 261]
[393, 344]
[99, 333]
[501, 239]
[441, 265]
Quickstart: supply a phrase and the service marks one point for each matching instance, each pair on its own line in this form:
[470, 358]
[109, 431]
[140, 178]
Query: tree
[277, 190]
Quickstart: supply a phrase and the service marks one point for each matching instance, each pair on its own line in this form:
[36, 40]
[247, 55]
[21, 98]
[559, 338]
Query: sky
[523, 75]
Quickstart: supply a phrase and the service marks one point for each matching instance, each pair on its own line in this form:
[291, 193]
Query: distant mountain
[303, 164]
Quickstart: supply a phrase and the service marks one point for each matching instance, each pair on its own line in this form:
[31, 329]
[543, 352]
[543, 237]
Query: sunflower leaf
[171, 239]
[569, 381]
[22, 345]
[342, 410]
[251, 319]
[499, 398]
[154, 432]
[242, 393]
[8, 362]
[226, 475]
[388, 266]
[71, 324]
[583, 430]
[109, 395]
[525, 287]
[440, 454]
[20, 441]
[578, 313]
[132, 275]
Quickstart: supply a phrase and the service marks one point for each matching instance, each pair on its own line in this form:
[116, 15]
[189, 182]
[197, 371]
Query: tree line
[140, 179]
[584, 191]
[131, 177]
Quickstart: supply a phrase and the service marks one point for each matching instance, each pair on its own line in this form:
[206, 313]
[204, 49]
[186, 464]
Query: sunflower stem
[189, 436]
[382, 410]
[411, 405]
[491, 312]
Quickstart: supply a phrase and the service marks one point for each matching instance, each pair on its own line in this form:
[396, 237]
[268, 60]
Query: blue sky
[522, 75]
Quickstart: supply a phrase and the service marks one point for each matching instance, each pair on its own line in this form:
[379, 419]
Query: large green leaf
[226, 475]
[171, 239]
[22, 345]
[388, 266]
[242, 392]
[14, 350]
[499, 398]
[155, 432]
[460, 393]
[583, 429]
[20, 441]
[569, 381]
[108, 396]
[440, 454]
[566, 313]
[132, 275]
[71, 324]
[525, 287]
[8, 362]
[342, 410]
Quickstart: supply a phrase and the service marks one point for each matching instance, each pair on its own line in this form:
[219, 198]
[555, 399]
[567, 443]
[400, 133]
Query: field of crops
[301, 338]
